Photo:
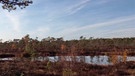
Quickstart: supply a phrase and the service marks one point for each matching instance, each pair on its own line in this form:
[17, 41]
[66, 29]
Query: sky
[70, 19]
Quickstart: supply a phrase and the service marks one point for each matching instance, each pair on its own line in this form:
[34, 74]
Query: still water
[98, 60]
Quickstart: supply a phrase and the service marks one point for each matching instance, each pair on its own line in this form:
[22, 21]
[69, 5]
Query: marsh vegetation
[57, 57]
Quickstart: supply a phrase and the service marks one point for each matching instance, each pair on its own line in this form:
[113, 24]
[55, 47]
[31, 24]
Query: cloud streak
[75, 30]
[75, 8]
[69, 19]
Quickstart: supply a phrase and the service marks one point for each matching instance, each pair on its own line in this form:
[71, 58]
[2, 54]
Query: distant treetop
[12, 4]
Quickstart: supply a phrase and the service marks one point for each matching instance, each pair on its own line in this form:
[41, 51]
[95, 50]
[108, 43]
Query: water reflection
[6, 59]
[98, 60]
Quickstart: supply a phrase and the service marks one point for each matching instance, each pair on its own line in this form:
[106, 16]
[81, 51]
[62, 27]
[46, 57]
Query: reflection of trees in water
[98, 59]
[91, 60]
[120, 59]
[82, 59]
[112, 59]
[102, 59]
[61, 58]
[95, 59]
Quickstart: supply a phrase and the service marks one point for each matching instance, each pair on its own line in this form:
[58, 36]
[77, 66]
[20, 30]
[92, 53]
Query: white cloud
[75, 8]
[11, 24]
[15, 22]
[14, 19]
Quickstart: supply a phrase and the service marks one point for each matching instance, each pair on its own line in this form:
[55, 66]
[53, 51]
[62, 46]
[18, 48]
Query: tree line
[51, 46]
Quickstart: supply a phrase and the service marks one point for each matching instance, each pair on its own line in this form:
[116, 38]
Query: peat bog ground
[22, 57]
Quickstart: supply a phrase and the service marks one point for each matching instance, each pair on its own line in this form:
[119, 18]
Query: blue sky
[70, 19]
